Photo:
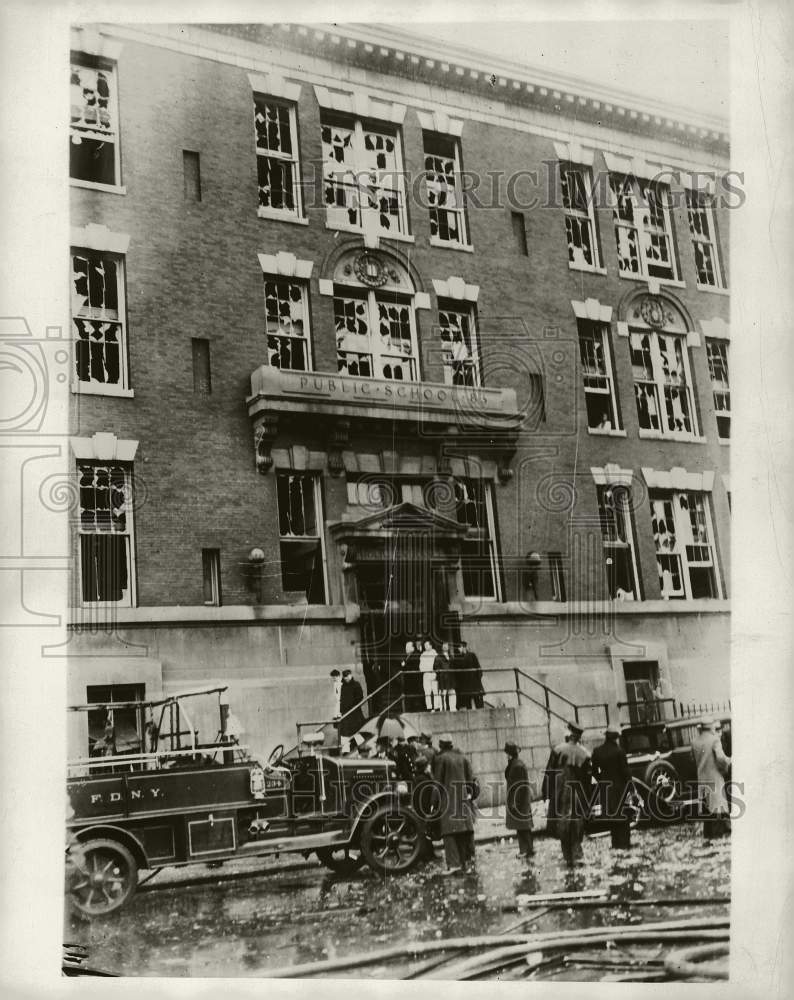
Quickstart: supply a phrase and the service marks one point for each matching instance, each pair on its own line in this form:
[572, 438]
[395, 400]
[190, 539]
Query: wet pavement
[250, 923]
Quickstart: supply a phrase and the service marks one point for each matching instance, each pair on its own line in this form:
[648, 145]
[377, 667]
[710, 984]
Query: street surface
[240, 922]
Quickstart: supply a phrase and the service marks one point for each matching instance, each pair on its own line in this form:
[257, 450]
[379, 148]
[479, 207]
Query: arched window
[374, 317]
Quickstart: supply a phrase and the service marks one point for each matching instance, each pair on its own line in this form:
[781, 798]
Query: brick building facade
[373, 342]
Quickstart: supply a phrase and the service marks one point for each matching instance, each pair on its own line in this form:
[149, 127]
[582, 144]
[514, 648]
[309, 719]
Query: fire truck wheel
[391, 840]
[342, 860]
[104, 877]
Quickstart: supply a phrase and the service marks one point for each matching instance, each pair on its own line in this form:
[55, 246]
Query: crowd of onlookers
[426, 679]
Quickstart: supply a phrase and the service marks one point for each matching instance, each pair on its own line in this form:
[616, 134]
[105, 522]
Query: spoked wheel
[391, 841]
[342, 860]
[104, 877]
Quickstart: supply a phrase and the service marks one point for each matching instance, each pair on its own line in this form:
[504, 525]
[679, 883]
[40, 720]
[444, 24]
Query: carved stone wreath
[371, 270]
[653, 312]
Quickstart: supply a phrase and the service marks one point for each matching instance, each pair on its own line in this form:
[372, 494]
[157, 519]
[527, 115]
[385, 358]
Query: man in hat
[611, 770]
[713, 767]
[518, 800]
[428, 749]
[425, 803]
[336, 691]
[457, 789]
[566, 786]
[470, 671]
[350, 696]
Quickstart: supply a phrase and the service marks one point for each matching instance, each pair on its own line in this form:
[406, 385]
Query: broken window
[278, 173]
[98, 318]
[115, 730]
[683, 537]
[717, 356]
[300, 531]
[474, 508]
[598, 375]
[363, 185]
[287, 324]
[105, 530]
[643, 227]
[444, 190]
[704, 239]
[94, 128]
[580, 227]
[375, 334]
[662, 384]
[458, 343]
[620, 561]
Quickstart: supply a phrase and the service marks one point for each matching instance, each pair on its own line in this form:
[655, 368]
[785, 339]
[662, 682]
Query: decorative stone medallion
[370, 270]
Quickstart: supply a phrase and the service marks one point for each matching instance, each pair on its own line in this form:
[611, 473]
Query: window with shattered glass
[98, 318]
[375, 334]
[580, 225]
[287, 324]
[620, 561]
[662, 383]
[278, 175]
[599, 382]
[458, 343]
[105, 533]
[94, 126]
[363, 184]
[444, 189]
[479, 566]
[301, 540]
[643, 228]
[702, 230]
[683, 539]
[717, 356]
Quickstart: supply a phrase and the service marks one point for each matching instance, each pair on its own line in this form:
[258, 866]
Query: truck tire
[103, 878]
[392, 840]
[341, 860]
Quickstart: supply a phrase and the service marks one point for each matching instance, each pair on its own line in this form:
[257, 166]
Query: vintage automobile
[661, 760]
[172, 800]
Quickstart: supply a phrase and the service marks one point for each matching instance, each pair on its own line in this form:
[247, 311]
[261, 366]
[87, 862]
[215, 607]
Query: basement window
[300, 536]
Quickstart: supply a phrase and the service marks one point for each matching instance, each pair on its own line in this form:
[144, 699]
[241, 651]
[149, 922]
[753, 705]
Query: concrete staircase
[481, 734]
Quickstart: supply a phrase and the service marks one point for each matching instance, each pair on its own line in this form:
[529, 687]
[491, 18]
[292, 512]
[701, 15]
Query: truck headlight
[402, 787]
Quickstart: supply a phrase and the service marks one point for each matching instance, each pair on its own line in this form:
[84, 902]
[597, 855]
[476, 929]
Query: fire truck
[173, 800]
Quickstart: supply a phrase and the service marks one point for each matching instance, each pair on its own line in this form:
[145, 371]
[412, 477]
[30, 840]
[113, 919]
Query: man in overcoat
[713, 767]
[470, 671]
[518, 800]
[412, 679]
[611, 770]
[566, 786]
[350, 696]
[457, 788]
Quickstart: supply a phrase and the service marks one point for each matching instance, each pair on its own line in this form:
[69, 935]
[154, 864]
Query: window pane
[93, 131]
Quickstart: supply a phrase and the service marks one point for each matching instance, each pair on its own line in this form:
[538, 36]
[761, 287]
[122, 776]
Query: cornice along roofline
[397, 52]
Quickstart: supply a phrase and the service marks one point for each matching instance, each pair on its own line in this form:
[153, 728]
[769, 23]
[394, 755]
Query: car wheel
[392, 840]
[341, 860]
[662, 780]
[103, 877]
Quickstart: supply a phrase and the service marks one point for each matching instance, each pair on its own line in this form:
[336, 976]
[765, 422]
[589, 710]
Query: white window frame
[376, 357]
[320, 525]
[293, 159]
[97, 64]
[472, 359]
[434, 188]
[659, 384]
[94, 386]
[703, 232]
[576, 218]
[720, 388]
[601, 383]
[639, 232]
[487, 488]
[354, 175]
[306, 339]
[684, 540]
[623, 529]
[128, 600]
